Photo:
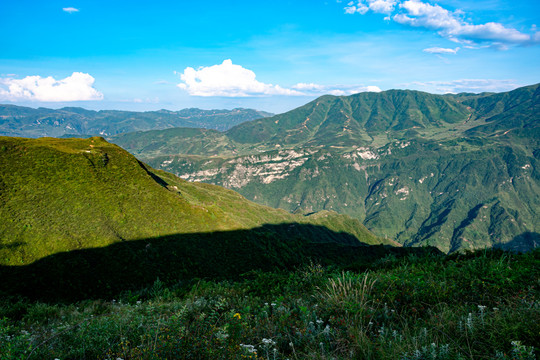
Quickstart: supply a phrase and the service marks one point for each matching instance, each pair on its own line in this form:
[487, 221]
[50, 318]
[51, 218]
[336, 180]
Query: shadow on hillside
[131, 265]
[522, 243]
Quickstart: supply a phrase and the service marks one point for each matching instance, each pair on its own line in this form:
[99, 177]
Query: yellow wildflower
[237, 315]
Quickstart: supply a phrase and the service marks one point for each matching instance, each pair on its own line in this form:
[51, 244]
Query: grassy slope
[59, 195]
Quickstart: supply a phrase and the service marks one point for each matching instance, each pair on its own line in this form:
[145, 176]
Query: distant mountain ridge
[72, 121]
[348, 121]
[456, 171]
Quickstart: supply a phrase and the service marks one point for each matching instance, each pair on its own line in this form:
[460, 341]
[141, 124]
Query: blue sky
[273, 56]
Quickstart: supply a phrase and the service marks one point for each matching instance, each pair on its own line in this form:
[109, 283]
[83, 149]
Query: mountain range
[454, 171]
[76, 122]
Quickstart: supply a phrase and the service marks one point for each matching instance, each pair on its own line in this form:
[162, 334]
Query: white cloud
[77, 87]
[70, 10]
[490, 31]
[378, 6]
[439, 50]
[231, 80]
[467, 85]
[450, 25]
[382, 6]
[337, 90]
[420, 14]
[361, 9]
[228, 80]
[308, 87]
[373, 88]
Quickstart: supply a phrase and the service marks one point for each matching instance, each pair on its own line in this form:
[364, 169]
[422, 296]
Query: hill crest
[63, 194]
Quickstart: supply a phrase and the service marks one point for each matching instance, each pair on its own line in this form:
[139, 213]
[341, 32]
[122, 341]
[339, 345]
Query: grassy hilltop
[66, 194]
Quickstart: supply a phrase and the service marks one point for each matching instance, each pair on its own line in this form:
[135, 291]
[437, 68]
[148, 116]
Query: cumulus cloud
[439, 50]
[467, 85]
[77, 87]
[378, 6]
[359, 8]
[448, 24]
[227, 79]
[230, 80]
[337, 90]
[70, 10]
[373, 88]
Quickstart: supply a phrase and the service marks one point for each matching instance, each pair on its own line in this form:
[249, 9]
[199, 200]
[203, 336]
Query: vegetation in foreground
[482, 305]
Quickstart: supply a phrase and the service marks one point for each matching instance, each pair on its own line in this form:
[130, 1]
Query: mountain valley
[454, 171]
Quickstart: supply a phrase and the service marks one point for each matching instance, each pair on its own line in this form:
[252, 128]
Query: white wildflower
[326, 330]
[268, 342]
[249, 348]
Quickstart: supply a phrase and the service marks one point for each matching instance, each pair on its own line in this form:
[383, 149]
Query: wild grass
[482, 305]
[348, 288]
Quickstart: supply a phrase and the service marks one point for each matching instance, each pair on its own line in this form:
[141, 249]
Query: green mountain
[60, 195]
[455, 171]
[350, 121]
[72, 122]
